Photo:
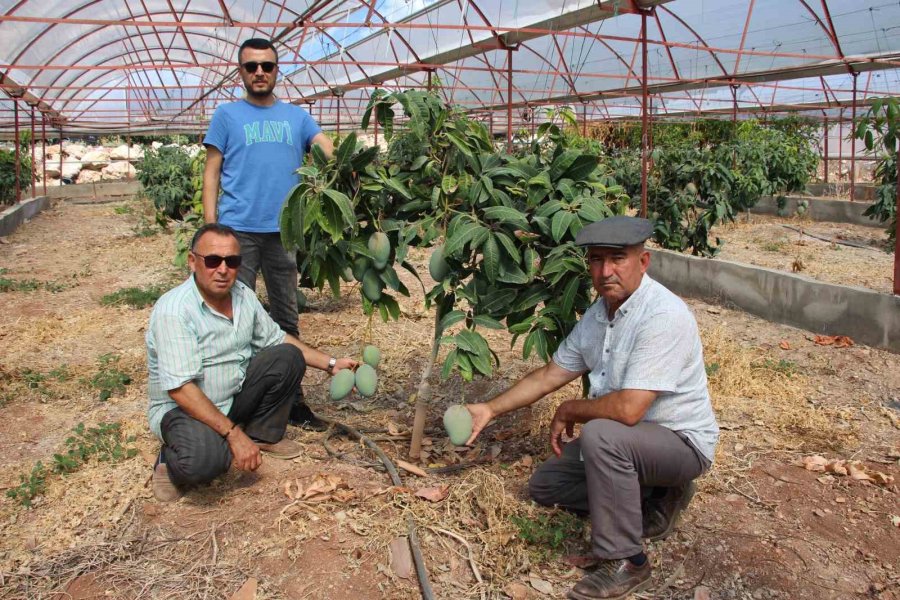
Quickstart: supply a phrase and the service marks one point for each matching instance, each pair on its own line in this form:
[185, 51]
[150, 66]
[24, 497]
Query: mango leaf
[548, 208]
[593, 210]
[488, 322]
[396, 185]
[449, 184]
[582, 167]
[508, 245]
[568, 297]
[562, 163]
[482, 362]
[491, 258]
[507, 215]
[343, 204]
[363, 158]
[449, 363]
[533, 295]
[451, 318]
[480, 236]
[345, 150]
[560, 224]
[511, 273]
[497, 300]
[536, 341]
[461, 237]
[471, 341]
[388, 307]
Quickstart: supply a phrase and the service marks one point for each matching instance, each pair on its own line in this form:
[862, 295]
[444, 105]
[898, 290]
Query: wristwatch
[331, 363]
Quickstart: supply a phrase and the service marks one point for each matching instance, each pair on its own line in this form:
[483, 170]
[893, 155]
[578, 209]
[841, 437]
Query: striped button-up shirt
[188, 341]
[651, 343]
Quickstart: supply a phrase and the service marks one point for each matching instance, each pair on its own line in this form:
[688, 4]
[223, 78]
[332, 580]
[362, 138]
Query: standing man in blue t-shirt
[253, 149]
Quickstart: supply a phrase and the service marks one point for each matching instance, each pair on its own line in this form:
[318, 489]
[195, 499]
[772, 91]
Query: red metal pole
[853, 144]
[44, 151]
[840, 144]
[531, 114]
[644, 125]
[18, 168]
[509, 100]
[826, 149]
[375, 115]
[584, 120]
[897, 228]
[60, 155]
[338, 116]
[32, 154]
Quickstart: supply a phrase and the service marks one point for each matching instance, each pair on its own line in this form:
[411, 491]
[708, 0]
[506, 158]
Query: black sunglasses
[212, 261]
[251, 65]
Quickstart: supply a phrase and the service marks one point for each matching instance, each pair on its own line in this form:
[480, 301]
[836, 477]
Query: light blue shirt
[188, 341]
[262, 147]
[651, 343]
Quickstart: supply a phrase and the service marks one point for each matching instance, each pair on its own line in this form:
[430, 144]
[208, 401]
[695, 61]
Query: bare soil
[839, 253]
[760, 526]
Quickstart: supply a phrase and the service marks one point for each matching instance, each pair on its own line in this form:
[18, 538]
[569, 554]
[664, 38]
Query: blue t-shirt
[262, 148]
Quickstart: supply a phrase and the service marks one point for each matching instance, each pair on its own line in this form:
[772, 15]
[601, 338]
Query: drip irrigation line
[414, 547]
[830, 240]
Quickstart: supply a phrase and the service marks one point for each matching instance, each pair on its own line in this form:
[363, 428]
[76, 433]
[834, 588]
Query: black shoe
[303, 417]
[660, 516]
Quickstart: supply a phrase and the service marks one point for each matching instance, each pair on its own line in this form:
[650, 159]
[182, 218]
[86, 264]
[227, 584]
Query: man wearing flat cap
[648, 428]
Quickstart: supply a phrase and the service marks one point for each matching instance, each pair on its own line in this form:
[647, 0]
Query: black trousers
[196, 454]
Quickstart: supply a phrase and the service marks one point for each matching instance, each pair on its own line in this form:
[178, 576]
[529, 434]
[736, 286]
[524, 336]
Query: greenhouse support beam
[896, 232]
[60, 155]
[44, 151]
[853, 140]
[644, 115]
[509, 52]
[826, 149]
[32, 154]
[18, 173]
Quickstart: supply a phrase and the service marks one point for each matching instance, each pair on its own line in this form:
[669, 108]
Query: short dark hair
[258, 44]
[216, 228]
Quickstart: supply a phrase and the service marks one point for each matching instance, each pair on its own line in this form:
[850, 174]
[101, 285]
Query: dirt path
[760, 527]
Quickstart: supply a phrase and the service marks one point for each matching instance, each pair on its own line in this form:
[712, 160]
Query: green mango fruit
[458, 423]
[342, 383]
[371, 356]
[366, 380]
[360, 266]
[372, 285]
[301, 299]
[380, 247]
[690, 188]
[437, 266]
[347, 274]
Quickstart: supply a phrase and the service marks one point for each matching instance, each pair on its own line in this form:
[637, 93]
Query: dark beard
[259, 95]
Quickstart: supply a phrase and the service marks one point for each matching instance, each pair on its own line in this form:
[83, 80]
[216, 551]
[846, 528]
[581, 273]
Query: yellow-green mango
[372, 285]
[380, 247]
[366, 380]
[371, 356]
[342, 383]
[437, 266]
[458, 423]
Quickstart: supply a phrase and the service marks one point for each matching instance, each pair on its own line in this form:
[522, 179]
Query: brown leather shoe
[163, 488]
[282, 450]
[613, 580]
[660, 517]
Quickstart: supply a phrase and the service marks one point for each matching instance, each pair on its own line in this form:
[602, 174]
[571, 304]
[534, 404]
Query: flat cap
[615, 232]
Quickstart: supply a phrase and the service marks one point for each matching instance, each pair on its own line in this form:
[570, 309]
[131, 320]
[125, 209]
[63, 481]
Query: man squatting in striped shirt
[648, 426]
[223, 375]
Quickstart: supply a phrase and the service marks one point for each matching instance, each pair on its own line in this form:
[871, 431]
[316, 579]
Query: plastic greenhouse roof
[141, 65]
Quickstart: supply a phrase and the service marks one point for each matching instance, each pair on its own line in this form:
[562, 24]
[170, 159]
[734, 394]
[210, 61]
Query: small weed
[773, 246]
[549, 532]
[133, 296]
[786, 367]
[27, 285]
[712, 369]
[32, 485]
[125, 209]
[103, 442]
[109, 380]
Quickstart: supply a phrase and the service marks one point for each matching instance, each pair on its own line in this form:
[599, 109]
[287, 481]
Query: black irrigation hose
[418, 559]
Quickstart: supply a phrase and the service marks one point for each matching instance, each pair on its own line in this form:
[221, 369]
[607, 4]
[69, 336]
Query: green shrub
[165, 175]
[8, 174]
[134, 297]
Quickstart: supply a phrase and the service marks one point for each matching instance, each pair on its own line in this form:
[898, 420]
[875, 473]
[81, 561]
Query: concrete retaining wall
[838, 211]
[17, 214]
[95, 190]
[861, 191]
[866, 316]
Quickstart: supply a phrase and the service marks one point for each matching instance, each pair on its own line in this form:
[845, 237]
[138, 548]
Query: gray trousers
[196, 454]
[264, 252]
[620, 463]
